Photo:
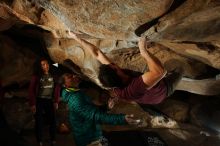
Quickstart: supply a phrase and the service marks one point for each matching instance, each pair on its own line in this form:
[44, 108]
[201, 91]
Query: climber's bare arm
[156, 70]
[93, 50]
[100, 56]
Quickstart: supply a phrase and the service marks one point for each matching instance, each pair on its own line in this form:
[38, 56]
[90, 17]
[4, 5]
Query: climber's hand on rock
[144, 45]
[71, 34]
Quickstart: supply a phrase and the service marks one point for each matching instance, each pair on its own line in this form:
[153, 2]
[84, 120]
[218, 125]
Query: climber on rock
[150, 88]
[85, 117]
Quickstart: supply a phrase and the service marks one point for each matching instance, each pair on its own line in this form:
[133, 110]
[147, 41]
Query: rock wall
[192, 30]
[184, 30]
[16, 62]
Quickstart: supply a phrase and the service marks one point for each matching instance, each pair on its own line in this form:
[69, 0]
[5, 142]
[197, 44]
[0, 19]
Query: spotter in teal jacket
[85, 117]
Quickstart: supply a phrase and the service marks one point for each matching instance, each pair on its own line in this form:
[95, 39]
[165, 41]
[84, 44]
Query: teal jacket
[85, 117]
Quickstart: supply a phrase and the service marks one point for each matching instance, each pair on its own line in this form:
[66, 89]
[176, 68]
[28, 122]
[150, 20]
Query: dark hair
[62, 78]
[109, 77]
[38, 69]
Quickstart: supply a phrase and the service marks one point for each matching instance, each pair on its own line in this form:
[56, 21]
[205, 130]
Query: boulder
[191, 30]
[18, 114]
[16, 62]
[207, 114]
[175, 109]
[106, 19]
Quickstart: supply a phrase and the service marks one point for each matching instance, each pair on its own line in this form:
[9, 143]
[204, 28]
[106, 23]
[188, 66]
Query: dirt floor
[62, 140]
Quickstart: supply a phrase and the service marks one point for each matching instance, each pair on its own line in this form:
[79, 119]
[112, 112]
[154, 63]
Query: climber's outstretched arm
[156, 71]
[96, 52]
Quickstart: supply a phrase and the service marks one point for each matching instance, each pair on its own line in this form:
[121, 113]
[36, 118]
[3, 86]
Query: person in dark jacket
[43, 98]
[85, 117]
